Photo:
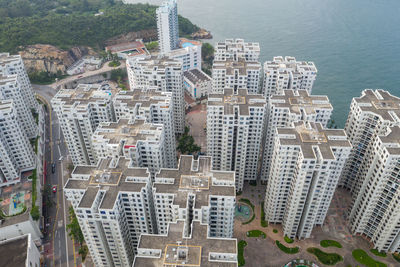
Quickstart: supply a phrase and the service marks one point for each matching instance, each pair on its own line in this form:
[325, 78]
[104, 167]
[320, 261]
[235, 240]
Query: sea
[355, 44]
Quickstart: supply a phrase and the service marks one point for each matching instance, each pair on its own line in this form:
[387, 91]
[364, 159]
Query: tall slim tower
[305, 170]
[167, 26]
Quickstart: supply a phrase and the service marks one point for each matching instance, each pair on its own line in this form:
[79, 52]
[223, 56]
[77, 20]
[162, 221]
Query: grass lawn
[288, 239]
[256, 233]
[264, 223]
[325, 258]
[286, 249]
[378, 253]
[362, 257]
[275, 231]
[241, 246]
[396, 256]
[330, 243]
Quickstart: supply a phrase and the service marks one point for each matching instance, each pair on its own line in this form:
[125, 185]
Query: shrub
[286, 249]
[330, 243]
[396, 256]
[245, 200]
[35, 213]
[378, 253]
[325, 258]
[256, 233]
[251, 219]
[362, 257]
[241, 246]
[264, 223]
[288, 240]
[275, 231]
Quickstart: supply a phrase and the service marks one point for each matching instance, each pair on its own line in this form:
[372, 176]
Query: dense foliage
[186, 144]
[324, 257]
[362, 257]
[241, 245]
[286, 249]
[66, 23]
[330, 243]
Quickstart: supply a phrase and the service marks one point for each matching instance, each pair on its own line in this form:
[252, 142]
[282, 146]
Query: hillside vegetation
[67, 23]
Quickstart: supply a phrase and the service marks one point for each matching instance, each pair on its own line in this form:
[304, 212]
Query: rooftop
[84, 94]
[155, 63]
[230, 65]
[238, 45]
[229, 100]
[299, 100]
[392, 140]
[6, 58]
[381, 103]
[310, 135]
[111, 176]
[144, 98]
[14, 252]
[128, 132]
[195, 250]
[197, 177]
[289, 64]
[195, 76]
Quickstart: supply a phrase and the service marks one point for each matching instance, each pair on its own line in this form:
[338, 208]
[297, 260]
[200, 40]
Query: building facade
[113, 204]
[20, 251]
[189, 53]
[288, 73]
[197, 83]
[305, 169]
[80, 111]
[16, 152]
[195, 192]
[154, 107]
[11, 89]
[14, 65]
[375, 211]
[235, 49]
[369, 116]
[167, 76]
[186, 245]
[236, 74]
[287, 108]
[143, 143]
[235, 126]
[167, 26]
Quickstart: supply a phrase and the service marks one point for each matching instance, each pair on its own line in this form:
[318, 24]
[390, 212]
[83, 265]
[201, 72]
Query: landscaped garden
[241, 245]
[286, 249]
[256, 233]
[324, 257]
[330, 243]
[275, 231]
[288, 239]
[378, 253]
[396, 256]
[362, 257]
[248, 202]
[264, 223]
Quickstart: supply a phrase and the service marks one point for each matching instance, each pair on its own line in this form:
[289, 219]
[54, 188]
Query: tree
[186, 144]
[74, 227]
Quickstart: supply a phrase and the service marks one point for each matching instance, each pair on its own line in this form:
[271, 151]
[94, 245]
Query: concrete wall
[33, 256]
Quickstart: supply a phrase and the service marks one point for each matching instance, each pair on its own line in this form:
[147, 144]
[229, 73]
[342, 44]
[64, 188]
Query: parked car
[53, 167]
[54, 189]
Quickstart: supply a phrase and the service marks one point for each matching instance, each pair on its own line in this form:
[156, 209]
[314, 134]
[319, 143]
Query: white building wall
[167, 26]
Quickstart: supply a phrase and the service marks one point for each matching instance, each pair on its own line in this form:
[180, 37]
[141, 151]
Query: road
[59, 250]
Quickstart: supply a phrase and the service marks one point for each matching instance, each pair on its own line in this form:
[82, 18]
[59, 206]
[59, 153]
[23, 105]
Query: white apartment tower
[375, 211]
[186, 245]
[235, 126]
[369, 116]
[283, 110]
[167, 26]
[11, 89]
[195, 192]
[167, 76]
[287, 73]
[113, 204]
[235, 49]
[305, 169]
[235, 74]
[143, 143]
[13, 65]
[80, 111]
[16, 153]
[154, 107]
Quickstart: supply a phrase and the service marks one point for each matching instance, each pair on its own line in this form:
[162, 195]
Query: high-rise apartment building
[369, 116]
[16, 153]
[165, 74]
[287, 73]
[113, 204]
[154, 107]
[189, 53]
[235, 49]
[11, 89]
[80, 111]
[13, 65]
[305, 169]
[283, 110]
[186, 245]
[235, 125]
[236, 74]
[143, 143]
[375, 211]
[167, 26]
[195, 192]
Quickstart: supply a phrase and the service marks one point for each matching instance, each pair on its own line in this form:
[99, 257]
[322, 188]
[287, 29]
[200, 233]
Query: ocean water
[355, 44]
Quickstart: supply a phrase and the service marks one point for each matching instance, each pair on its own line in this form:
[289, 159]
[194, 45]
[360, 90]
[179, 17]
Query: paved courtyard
[264, 252]
[196, 119]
